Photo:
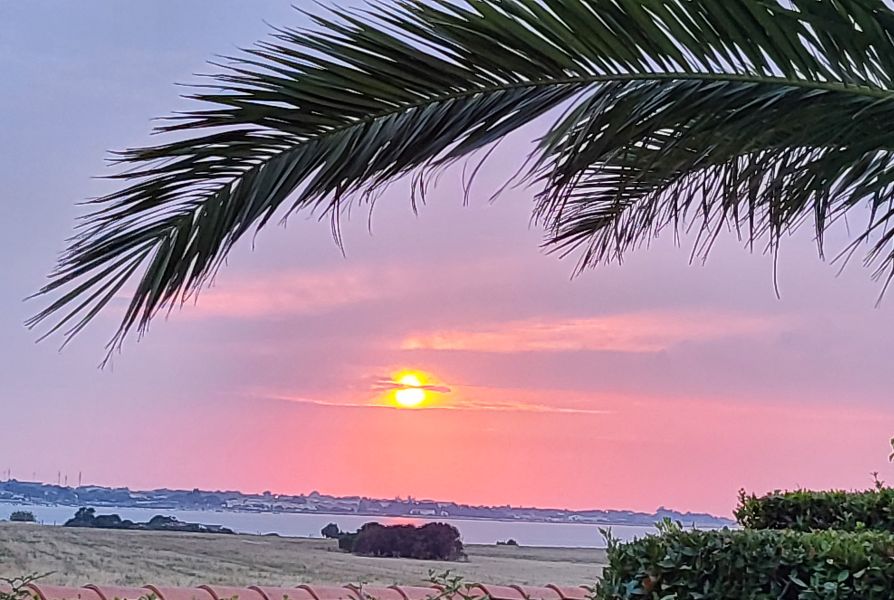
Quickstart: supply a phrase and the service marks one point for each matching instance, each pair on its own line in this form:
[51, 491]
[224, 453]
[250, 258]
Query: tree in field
[84, 517]
[757, 116]
[330, 531]
[432, 541]
[22, 516]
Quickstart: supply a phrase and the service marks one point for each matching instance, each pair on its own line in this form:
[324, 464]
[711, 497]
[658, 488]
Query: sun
[411, 389]
[411, 393]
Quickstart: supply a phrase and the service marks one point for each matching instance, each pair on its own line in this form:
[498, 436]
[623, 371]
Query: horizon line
[408, 498]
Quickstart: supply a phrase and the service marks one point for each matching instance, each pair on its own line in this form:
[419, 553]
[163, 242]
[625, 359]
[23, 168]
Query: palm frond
[757, 115]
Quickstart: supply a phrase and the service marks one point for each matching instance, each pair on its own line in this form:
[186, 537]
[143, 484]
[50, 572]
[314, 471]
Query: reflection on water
[309, 525]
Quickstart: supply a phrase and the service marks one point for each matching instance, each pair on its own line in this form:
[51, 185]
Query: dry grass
[80, 556]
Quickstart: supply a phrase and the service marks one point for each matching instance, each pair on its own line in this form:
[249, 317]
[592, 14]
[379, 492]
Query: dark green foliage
[432, 541]
[330, 531]
[755, 565]
[87, 517]
[757, 116]
[806, 510]
[346, 541]
[22, 516]
[84, 517]
[509, 542]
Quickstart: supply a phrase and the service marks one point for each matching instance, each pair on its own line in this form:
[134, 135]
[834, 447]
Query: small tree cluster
[331, 531]
[87, 517]
[22, 516]
[433, 541]
[509, 542]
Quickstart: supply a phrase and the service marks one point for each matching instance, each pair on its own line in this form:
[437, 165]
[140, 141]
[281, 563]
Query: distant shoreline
[319, 506]
[354, 514]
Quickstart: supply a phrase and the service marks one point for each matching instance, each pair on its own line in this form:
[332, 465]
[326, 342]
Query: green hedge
[807, 511]
[755, 565]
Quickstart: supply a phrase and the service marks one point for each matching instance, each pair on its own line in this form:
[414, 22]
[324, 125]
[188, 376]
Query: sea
[473, 531]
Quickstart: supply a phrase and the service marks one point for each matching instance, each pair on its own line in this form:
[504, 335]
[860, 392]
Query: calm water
[309, 525]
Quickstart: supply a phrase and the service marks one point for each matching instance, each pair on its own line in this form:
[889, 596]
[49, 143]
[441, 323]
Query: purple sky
[657, 382]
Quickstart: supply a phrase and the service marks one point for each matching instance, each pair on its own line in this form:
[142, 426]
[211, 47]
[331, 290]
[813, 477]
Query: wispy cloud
[317, 291]
[292, 293]
[387, 384]
[315, 401]
[628, 332]
[525, 407]
[493, 404]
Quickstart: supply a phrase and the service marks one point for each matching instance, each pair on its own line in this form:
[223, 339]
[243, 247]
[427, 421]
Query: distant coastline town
[24, 492]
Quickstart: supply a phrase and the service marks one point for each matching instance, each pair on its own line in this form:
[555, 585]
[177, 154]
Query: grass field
[80, 556]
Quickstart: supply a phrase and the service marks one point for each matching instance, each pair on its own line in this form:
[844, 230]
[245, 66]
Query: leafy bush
[22, 516]
[87, 517]
[432, 541]
[331, 531]
[757, 565]
[807, 511]
[346, 541]
[509, 542]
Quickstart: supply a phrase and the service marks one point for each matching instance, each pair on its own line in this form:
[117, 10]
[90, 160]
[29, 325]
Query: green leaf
[752, 115]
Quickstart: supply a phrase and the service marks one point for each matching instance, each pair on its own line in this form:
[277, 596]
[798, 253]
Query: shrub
[346, 541]
[509, 542]
[432, 541]
[87, 517]
[807, 511]
[758, 565]
[22, 516]
[84, 517]
[331, 531]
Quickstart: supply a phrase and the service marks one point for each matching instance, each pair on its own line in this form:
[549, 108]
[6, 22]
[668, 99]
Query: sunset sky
[656, 382]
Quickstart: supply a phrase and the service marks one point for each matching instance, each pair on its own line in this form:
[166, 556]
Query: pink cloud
[309, 292]
[628, 332]
[291, 293]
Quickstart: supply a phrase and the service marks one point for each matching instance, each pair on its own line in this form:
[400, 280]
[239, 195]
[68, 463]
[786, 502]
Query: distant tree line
[432, 541]
[87, 517]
